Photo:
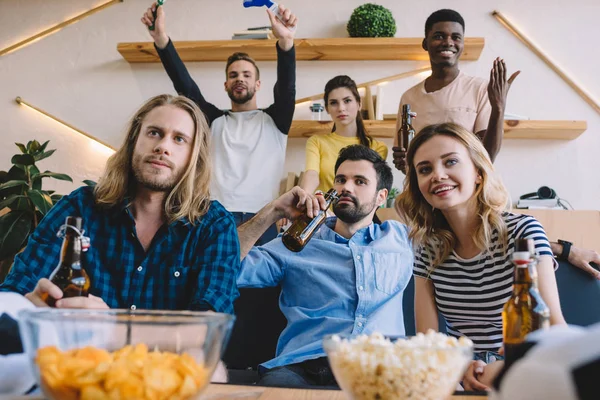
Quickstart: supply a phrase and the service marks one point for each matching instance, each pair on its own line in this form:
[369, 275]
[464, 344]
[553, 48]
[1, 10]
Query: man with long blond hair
[157, 240]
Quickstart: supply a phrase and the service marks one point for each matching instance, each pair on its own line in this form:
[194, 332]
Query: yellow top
[322, 152]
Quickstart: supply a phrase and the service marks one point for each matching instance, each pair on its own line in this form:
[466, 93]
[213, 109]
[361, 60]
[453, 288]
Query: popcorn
[423, 367]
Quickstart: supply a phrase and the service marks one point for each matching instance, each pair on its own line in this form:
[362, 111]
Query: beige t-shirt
[464, 101]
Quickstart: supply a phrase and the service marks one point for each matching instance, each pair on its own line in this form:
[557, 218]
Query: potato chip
[132, 372]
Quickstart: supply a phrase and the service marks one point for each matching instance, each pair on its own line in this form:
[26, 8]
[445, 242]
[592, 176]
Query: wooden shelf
[525, 129]
[307, 128]
[344, 49]
[554, 130]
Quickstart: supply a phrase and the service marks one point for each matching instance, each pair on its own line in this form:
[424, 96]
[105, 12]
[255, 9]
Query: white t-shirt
[248, 152]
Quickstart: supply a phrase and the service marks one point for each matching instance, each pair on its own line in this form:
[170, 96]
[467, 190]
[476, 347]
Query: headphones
[543, 192]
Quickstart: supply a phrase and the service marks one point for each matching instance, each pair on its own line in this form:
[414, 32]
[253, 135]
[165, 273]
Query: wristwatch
[566, 250]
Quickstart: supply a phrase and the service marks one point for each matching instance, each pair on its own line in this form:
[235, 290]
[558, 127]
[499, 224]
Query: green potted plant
[371, 20]
[391, 197]
[23, 202]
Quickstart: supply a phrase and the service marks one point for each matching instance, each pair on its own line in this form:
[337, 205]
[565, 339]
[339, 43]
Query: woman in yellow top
[342, 102]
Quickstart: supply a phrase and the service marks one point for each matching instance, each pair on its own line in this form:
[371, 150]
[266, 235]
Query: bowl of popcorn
[422, 367]
[123, 354]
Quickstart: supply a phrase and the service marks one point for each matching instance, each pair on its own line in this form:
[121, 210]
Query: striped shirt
[471, 293]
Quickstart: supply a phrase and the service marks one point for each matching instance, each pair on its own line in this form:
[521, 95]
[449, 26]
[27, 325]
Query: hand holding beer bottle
[68, 284]
[305, 226]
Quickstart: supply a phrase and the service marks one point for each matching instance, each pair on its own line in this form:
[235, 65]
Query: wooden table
[234, 392]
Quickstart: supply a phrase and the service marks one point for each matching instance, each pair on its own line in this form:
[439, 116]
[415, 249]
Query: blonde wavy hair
[190, 198]
[429, 229]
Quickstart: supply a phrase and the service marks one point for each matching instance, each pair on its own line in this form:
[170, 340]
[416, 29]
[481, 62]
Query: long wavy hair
[190, 197]
[344, 81]
[428, 228]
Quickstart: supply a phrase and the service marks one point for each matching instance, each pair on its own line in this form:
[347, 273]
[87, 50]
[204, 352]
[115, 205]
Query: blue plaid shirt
[187, 267]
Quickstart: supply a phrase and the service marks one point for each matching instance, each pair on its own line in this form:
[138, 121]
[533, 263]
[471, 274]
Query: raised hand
[499, 85]
[284, 29]
[159, 34]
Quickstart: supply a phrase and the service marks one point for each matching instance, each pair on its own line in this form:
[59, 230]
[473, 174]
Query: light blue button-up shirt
[334, 285]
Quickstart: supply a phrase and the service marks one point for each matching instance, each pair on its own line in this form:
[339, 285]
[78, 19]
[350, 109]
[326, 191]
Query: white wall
[77, 75]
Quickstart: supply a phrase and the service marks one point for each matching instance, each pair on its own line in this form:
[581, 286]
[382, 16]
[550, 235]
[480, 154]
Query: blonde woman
[157, 240]
[456, 208]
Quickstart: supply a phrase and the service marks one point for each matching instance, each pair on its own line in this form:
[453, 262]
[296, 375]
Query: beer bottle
[525, 311]
[69, 276]
[406, 132]
[302, 229]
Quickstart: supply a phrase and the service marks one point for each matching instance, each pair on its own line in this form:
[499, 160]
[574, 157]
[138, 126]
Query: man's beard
[153, 182]
[353, 213]
[241, 100]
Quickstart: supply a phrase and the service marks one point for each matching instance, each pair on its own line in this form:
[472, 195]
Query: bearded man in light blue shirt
[348, 279]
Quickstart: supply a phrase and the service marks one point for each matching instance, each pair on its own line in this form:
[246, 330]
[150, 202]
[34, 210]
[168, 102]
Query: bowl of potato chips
[123, 354]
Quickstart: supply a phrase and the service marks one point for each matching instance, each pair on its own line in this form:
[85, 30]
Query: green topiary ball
[371, 20]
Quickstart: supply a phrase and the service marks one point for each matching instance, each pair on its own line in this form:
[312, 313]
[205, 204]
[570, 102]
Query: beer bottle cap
[74, 222]
[525, 245]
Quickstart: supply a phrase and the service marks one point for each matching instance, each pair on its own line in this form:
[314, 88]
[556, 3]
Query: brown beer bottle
[406, 132]
[302, 229]
[525, 311]
[69, 276]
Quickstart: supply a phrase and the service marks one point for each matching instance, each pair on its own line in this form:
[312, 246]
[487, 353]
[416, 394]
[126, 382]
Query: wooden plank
[230, 392]
[369, 103]
[236, 392]
[513, 129]
[348, 49]
[307, 128]
[555, 130]
[372, 83]
[538, 52]
[582, 227]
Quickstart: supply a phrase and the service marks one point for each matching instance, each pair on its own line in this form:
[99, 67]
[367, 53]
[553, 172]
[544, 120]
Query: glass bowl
[423, 367]
[97, 354]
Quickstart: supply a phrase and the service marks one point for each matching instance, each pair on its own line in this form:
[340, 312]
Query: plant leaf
[15, 228]
[33, 171]
[40, 156]
[41, 200]
[43, 146]
[4, 177]
[35, 146]
[16, 173]
[56, 198]
[9, 200]
[89, 182]
[55, 175]
[23, 159]
[11, 184]
[22, 147]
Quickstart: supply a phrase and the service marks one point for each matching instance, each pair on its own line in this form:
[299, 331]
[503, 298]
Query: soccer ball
[563, 364]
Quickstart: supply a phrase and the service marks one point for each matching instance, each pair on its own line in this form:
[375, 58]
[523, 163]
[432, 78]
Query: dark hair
[242, 57]
[344, 81]
[358, 152]
[444, 15]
